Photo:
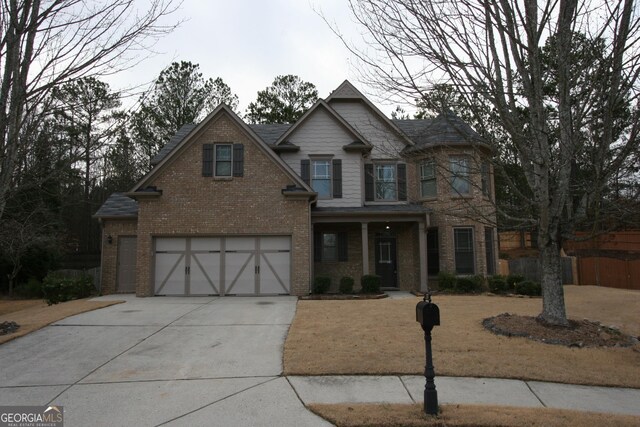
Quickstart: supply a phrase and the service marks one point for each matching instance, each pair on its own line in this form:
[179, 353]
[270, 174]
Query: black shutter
[342, 247]
[305, 171]
[337, 178]
[402, 181]
[207, 160]
[238, 160]
[317, 246]
[368, 183]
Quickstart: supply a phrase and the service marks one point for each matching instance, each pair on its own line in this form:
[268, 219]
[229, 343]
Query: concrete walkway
[483, 391]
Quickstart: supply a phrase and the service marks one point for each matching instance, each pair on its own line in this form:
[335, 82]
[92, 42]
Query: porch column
[422, 240]
[365, 248]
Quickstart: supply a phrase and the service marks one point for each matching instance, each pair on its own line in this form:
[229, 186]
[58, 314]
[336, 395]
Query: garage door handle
[187, 270]
[257, 269]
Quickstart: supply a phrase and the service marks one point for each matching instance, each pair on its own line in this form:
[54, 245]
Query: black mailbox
[427, 314]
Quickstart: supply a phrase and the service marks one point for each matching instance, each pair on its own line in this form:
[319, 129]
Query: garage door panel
[275, 243]
[240, 244]
[170, 274]
[274, 273]
[205, 274]
[205, 244]
[171, 244]
[241, 265]
[240, 276]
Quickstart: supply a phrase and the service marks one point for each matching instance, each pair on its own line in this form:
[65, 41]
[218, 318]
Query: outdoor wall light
[109, 239]
[387, 227]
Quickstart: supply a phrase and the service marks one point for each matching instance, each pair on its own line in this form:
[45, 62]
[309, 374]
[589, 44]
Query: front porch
[389, 241]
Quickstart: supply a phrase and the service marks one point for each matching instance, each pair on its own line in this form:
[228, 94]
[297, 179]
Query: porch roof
[371, 213]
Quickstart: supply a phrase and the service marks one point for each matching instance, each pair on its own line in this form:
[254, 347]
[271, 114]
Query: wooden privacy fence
[530, 268]
[611, 260]
[609, 272]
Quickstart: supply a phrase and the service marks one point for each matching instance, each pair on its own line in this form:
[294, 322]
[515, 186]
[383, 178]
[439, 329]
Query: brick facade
[450, 210]
[193, 205]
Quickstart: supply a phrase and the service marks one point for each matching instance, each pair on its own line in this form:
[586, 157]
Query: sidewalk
[485, 391]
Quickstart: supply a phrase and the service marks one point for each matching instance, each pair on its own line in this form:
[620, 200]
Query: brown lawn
[32, 315]
[352, 415]
[382, 337]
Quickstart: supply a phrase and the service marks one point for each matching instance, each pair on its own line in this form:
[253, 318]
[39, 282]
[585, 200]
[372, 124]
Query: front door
[386, 262]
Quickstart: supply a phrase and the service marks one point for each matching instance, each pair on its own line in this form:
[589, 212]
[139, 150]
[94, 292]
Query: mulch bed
[8, 327]
[579, 333]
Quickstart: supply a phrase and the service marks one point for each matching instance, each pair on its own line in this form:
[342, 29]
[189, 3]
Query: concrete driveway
[161, 361]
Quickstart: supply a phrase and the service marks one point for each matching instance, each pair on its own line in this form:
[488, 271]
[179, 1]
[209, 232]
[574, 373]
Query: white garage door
[223, 265]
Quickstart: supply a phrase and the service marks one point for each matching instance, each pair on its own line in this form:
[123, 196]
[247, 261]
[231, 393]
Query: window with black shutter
[207, 160]
[330, 247]
[368, 183]
[238, 160]
[337, 178]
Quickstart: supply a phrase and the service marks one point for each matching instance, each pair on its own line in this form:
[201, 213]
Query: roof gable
[189, 136]
[332, 113]
[347, 91]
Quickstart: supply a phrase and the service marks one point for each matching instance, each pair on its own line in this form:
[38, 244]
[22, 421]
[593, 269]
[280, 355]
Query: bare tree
[45, 43]
[493, 50]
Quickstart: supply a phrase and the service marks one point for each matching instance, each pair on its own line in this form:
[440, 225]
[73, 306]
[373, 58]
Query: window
[385, 253]
[329, 247]
[463, 245]
[321, 178]
[433, 252]
[223, 160]
[459, 167]
[489, 251]
[385, 182]
[428, 179]
[324, 176]
[486, 179]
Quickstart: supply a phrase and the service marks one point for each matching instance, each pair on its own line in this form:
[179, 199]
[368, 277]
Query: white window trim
[435, 178]
[452, 176]
[375, 181]
[473, 250]
[329, 159]
[215, 161]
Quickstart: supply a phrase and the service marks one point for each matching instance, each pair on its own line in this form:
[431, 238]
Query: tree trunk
[553, 309]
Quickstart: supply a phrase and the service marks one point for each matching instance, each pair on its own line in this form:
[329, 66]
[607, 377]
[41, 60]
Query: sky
[249, 42]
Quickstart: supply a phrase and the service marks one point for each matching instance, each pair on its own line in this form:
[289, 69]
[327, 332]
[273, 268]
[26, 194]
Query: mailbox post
[428, 315]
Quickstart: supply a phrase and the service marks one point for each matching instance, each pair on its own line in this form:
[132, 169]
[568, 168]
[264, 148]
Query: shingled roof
[447, 129]
[118, 206]
[173, 142]
[270, 133]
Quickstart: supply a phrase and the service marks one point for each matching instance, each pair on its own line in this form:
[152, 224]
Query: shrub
[370, 284]
[59, 288]
[528, 287]
[321, 284]
[31, 289]
[446, 281]
[512, 279]
[498, 284]
[471, 284]
[346, 285]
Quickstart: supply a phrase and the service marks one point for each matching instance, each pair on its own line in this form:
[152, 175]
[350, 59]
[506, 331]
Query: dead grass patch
[388, 415]
[382, 337]
[9, 306]
[37, 314]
